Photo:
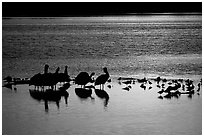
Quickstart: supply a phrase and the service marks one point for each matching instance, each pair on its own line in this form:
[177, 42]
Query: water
[130, 46]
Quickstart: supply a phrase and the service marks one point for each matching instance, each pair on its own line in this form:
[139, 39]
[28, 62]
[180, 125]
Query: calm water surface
[133, 46]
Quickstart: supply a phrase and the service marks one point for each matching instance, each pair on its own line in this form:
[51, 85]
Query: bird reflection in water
[103, 95]
[50, 95]
[84, 93]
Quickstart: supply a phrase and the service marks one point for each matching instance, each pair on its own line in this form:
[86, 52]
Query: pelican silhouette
[36, 80]
[63, 77]
[46, 79]
[83, 78]
[101, 80]
[49, 79]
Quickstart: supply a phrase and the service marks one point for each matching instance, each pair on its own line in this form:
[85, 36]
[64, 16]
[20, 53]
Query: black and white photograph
[101, 68]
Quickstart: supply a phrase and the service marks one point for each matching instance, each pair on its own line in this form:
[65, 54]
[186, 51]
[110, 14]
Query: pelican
[37, 80]
[45, 79]
[49, 79]
[63, 77]
[101, 80]
[83, 78]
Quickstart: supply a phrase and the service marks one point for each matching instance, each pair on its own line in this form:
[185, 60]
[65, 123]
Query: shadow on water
[103, 95]
[84, 93]
[50, 96]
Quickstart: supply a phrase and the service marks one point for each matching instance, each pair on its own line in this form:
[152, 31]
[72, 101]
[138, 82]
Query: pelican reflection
[49, 95]
[84, 93]
[103, 95]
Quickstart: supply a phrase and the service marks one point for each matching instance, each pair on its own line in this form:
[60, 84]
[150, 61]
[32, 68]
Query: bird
[199, 85]
[144, 80]
[160, 97]
[36, 80]
[126, 88]
[45, 79]
[158, 79]
[8, 79]
[49, 79]
[143, 86]
[127, 82]
[63, 77]
[83, 78]
[109, 86]
[101, 80]
[150, 82]
[161, 91]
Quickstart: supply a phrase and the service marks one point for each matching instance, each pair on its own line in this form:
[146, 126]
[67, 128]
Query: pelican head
[105, 70]
[92, 74]
[46, 68]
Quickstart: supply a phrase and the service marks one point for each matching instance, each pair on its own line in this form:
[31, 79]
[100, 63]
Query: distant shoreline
[110, 15]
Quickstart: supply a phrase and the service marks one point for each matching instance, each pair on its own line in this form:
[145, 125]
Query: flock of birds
[50, 80]
[168, 88]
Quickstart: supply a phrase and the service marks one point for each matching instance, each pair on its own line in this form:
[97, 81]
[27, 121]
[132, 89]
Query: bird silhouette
[127, 82]
[63, 77]
[49, 79]
[8, 79]
[83, 78]
[45, 79]
[101, 80]
[126, 88]
[161, 91]
[36, 81]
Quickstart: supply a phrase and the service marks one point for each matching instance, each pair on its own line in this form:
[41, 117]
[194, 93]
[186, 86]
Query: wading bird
[101, 80]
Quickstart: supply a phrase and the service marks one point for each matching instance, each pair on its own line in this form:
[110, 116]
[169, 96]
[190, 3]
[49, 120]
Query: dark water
[137, 46]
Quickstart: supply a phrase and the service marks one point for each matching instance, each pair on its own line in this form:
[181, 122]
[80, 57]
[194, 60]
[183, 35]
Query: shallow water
[137, 111]
[133, 46]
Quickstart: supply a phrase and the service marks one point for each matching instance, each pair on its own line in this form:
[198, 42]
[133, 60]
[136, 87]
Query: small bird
[199, 85]
[150, 82]
[143, 86]
[160, 97]
[126, 88]
[101, 80]
[161, 91]
[144, 80]
[127, 82]
[109, 86]
[8, 79]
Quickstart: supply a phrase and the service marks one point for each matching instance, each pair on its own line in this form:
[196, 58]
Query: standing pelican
[101, 80]
[37, 79]
[64, 77]
[49, 79]
[83, 78]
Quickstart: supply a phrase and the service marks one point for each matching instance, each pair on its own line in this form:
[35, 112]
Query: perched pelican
[36, 80]
[63, 77]
[83, 78]
[49, 79]
[101, 80]
[45, 79]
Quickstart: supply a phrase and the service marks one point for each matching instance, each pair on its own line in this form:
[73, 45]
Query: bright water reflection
[112, 111]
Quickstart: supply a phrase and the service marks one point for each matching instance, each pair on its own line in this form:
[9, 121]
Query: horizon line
[106, 15]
